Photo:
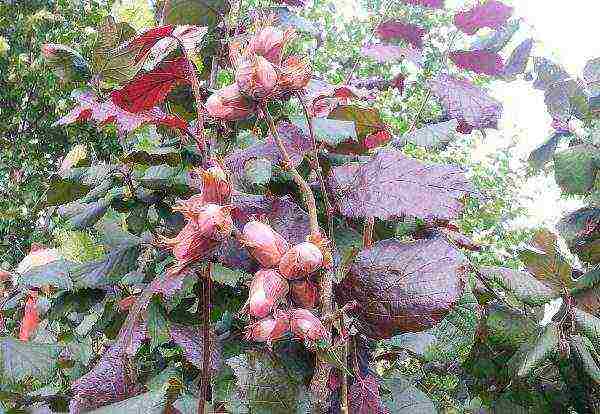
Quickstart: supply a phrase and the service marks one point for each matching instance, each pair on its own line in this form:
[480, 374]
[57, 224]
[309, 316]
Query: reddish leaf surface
[296, 143]
[391, 53]
[110, 380]
[436, 4]
[492, 14]
[150, 89]
[377, 139]
[190, 340]
[397, 30]
[466, 102]
[88, 107]
[394, 185]
[404, 287]
[517, 62]
[363, 396]
[31, 318]
[479, 61]
[148, 39]
[398, 82]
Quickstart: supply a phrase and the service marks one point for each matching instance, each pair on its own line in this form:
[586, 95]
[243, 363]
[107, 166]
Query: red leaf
[89, 107]
[364, 396]
[394, 30]
[377, 139]
[149, 38]
[31, 318]
[492, 14]
[394, 185]
[150, 89]
[467, 103]
[479, 61]
[435, 4]
[398, 82]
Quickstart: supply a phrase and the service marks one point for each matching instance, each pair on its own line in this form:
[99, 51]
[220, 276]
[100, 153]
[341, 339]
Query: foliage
[255, 232]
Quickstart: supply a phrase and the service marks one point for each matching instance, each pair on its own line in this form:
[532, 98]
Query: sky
[569, 33]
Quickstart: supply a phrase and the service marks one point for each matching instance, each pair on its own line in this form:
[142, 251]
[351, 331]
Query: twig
[307, 194]
[316, 167]
[368, 232]
[206, 345]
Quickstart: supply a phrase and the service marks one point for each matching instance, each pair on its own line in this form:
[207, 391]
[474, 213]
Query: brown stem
[206, 348]
[316, 166]
[368, 232]
[305, 190]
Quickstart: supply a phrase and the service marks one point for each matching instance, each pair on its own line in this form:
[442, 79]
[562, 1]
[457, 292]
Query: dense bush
[273, 216]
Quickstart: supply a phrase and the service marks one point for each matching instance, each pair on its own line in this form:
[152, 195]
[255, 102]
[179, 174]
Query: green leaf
[506, 328]
[435, 136]
[155, 156]
[158, 177]
[540, 156]
[88, 214]
[200, 13]
[330, 131]
[258, 171]
[63, 191]
[106, 271]
[227, 276]
[153, 402]
[55, 274]
[158, 325]
[66, 63]
[532, 355]
[587, 324]
[455, 334]
[263, 386]
[366, 122]
[575, 169]
[75, 158]
[110, 60]
[584, 350]
[524, 286]
[407, 399]
[22, 360]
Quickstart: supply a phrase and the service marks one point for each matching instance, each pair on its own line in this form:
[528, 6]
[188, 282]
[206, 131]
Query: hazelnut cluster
[261, 73]
[286, 274]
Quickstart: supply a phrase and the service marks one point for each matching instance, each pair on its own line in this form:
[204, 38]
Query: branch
[309, 197]
[206, 349]
[368, 232]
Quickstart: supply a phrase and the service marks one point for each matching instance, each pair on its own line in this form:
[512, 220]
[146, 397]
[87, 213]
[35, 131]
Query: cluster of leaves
[122, 327]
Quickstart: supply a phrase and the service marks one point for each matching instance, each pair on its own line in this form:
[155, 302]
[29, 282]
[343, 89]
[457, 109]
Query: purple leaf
[398, 82]
[283, 214]
[296, 143]
[558, 99]
[363, 396]
[370, 128]
[492, 14]
[394, 185]
[397, 30]
[293, 3]
[170, 283]
[111, 380]
[479, 61]
[435, 4]
[548, 73]
[517, 63]
[404, 287]
[498, 39]
[462, 100]
[191, 341]
[390, 53]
